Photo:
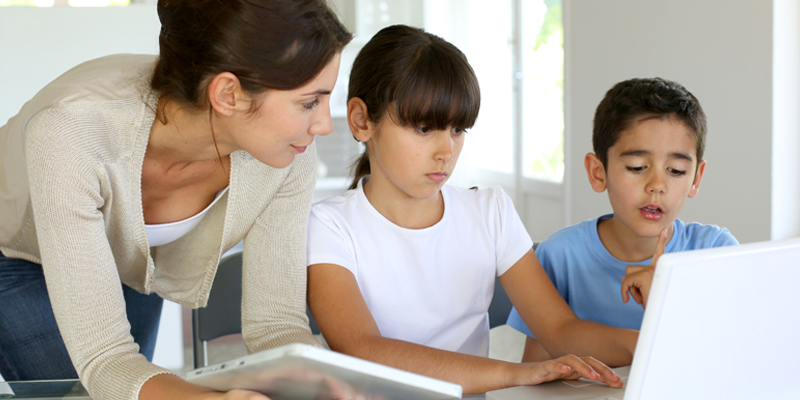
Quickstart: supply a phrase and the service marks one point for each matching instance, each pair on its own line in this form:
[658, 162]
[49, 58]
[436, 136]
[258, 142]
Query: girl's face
[287, 120]
[412, 162]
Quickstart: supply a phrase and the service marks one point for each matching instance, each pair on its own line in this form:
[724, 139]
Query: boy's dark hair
[428, 79]
[630, 100]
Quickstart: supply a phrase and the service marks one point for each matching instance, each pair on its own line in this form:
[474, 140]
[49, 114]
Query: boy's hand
[638, 278]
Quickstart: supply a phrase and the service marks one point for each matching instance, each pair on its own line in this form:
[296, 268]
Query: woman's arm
[274, 270]
[348, 327]
[554, 324]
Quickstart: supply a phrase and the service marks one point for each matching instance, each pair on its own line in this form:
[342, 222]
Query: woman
[124, 180]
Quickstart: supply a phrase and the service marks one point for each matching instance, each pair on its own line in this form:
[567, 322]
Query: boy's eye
[635, 169]
[311, 104]
[676, 172]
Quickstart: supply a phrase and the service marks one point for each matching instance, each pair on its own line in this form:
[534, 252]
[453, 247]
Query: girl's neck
[402, 209]
[625, 244]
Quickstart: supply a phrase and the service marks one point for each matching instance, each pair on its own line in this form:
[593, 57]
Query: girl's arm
[534, 351]
[348, 327]
[554, 324]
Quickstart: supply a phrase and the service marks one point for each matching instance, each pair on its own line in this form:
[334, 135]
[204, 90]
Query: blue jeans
[31, 347]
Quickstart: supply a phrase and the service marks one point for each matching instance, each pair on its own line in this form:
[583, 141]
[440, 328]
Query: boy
[648, 142]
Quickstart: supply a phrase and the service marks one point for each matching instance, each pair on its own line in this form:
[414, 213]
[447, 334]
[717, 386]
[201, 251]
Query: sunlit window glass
[543, 90]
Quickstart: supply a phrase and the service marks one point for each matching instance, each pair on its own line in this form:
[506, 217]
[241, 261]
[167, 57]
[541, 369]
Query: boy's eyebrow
[642, 153]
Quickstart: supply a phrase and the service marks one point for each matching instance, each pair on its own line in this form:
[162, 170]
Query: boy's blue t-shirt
[588, 276]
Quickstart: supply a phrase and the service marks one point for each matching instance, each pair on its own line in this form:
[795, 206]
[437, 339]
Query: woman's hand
[568, 367]
[238, 394]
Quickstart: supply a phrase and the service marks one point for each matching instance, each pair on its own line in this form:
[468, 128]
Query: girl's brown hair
[267, 44]
[423, 78]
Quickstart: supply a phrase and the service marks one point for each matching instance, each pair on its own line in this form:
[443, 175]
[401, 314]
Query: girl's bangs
[439, 91]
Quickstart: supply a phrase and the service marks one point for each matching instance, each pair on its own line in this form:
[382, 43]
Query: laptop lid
[299, 371]
[721, 323]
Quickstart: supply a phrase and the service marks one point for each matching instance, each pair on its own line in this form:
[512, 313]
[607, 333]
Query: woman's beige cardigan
[70, 199]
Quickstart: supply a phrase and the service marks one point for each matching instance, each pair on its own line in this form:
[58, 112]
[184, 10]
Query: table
[51, 389]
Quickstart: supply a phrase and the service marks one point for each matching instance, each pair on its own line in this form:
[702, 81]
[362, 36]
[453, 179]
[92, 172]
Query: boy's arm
[348, 326]
[555, 325]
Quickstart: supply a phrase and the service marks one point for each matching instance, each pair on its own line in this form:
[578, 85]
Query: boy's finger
[624, 290]
[662, 244]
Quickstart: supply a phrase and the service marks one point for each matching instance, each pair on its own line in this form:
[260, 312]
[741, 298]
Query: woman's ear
[596, 172]
[358, 120]
[225, 94]
[701, 169]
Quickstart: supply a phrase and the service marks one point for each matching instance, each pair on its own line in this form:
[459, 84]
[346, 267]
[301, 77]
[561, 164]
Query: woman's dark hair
[629, 101]
[423, 78]
[267, 44]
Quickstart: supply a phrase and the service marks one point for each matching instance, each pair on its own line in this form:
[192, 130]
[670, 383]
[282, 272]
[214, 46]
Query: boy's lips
[652, 212]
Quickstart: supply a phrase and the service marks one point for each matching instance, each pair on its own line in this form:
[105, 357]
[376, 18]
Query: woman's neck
[180, 135]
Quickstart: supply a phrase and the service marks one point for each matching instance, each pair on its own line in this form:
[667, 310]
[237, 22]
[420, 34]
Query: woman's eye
[635, 169]
[311, 104]
[676, 172]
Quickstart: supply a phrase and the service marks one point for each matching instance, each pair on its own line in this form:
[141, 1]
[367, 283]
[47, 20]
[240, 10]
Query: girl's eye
[422, 129]
[311, 104]
[635, 169]
[457, 131]
[676, 172]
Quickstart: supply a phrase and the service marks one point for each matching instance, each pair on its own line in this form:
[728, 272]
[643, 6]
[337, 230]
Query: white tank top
[160, 234]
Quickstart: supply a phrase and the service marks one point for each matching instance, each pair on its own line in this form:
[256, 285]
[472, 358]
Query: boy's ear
[223, 92]
[701, 168]
[596, 172]
[358, 119]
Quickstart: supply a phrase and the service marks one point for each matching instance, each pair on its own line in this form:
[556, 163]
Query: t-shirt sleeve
[725, 238]
[328, 241]
[511, 238]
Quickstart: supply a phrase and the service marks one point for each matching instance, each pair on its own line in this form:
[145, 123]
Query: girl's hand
[638, 278]
[568, 367]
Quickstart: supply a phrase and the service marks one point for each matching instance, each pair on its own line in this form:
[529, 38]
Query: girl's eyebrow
[642, 153]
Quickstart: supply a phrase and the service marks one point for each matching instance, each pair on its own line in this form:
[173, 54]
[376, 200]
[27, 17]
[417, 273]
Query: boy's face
[650, 173]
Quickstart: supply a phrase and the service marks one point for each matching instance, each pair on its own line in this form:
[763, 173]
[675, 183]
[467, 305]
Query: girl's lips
[300, 149]
[651, 213]
[437, 177]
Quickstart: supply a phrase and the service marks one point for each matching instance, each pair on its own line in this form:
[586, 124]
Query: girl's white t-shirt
[430, 286]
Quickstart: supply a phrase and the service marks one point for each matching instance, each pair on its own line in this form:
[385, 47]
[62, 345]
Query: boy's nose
[656, 184]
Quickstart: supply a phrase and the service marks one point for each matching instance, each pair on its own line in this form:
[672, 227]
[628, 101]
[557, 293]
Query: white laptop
[720, 323]
[299, 371]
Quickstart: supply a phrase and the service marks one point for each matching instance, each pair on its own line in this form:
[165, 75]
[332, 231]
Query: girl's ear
[223, 92]
[701, 168]
[596, 172]
[358, 120]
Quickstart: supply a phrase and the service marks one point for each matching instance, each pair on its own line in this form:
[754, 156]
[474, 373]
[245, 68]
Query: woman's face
[287, 120]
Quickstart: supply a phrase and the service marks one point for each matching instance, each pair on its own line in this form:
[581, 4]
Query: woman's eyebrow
[318, 92]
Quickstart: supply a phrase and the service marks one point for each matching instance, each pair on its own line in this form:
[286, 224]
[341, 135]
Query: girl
[401, 267]
[123, 181]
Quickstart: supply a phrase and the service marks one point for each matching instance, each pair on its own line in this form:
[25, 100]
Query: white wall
[38, 44]
[786, 120]
[722, 52]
